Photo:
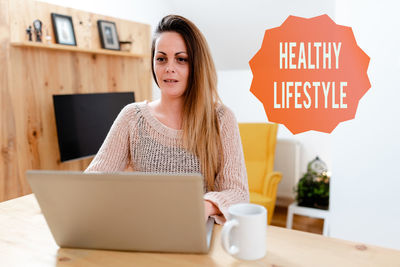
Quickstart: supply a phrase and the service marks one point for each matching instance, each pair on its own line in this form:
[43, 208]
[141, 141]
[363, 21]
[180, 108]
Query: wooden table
[25, 240]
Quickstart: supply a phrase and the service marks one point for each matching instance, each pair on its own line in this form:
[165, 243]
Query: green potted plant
[312, 190]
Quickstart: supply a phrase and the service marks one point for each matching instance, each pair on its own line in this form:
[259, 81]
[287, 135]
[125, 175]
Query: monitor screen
[83, 121]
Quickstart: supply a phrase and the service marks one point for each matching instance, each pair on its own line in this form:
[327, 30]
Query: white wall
[365, 189]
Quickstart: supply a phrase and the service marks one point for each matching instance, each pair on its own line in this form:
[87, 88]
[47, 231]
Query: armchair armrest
[271, 182]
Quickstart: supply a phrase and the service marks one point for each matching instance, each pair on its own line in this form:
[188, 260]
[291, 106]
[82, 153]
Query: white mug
[244, 236]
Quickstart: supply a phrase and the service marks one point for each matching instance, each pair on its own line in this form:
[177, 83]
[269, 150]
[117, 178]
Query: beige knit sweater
[140, 140]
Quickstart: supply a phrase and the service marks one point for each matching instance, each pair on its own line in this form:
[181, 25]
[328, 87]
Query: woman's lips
[170, 81]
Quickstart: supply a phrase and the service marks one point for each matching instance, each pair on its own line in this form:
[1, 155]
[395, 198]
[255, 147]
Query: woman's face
[171, 64]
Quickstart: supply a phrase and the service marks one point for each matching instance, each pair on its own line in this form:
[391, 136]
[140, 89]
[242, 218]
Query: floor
[301, 223]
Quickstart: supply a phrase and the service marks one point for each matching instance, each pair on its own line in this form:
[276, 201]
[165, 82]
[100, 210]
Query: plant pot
[322, 203]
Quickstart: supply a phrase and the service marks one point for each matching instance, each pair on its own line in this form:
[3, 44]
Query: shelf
[76, 49]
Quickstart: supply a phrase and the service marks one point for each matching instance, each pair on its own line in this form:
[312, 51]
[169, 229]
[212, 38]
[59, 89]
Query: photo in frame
[63, 29]
[108, 35]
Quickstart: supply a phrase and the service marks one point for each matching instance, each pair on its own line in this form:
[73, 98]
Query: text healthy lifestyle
[308, 58]
[309, 74]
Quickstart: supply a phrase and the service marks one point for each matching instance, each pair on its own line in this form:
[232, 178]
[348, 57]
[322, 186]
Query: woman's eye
[160, 59]
[182, 59]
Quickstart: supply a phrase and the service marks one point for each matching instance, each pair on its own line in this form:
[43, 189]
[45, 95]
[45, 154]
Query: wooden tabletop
[25, 240]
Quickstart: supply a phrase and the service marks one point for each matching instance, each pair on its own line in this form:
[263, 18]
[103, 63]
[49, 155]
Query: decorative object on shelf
[29, 32]
[313, 188]
[108, 35]
[125, 45]
[37, 26]
[63, 29]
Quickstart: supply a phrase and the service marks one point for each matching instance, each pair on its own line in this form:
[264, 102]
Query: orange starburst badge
[310, 74]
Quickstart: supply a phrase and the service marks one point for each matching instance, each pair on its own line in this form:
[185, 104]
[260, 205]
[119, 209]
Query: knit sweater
[137, 138]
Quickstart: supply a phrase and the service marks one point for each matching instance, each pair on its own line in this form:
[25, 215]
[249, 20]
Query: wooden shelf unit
[76, 49]
[31, 73]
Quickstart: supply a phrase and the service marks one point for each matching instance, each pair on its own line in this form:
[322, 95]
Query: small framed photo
[63, 29]
[108, 35]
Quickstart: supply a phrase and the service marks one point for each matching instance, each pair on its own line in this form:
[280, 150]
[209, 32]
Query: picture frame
[108, 35]
[63, 29]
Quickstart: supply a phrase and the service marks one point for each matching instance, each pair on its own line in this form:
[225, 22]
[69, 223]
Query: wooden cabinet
[30, 73]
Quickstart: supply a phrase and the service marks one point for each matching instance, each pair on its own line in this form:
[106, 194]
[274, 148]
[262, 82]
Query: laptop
[128, 211]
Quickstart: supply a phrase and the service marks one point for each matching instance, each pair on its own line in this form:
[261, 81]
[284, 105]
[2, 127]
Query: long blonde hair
[200, 124]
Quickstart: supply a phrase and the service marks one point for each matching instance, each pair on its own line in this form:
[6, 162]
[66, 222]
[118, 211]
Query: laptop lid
[123, 211]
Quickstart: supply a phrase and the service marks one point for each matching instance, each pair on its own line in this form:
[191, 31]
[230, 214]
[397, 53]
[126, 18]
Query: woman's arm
[114, 153]
[231, 182]
[210, 209]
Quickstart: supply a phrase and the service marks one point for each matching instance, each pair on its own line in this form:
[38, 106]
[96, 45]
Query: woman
[187, 130]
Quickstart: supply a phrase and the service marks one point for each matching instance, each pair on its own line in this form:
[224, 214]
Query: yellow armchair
[259, 140]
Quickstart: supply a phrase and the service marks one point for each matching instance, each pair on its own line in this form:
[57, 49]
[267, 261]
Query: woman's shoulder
[131, 112]
[134, 108]
[224, 114]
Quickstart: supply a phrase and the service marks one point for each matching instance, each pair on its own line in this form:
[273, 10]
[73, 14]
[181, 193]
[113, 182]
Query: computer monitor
[83, 121]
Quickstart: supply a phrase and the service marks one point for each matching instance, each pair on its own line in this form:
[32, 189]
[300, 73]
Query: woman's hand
[210, 209]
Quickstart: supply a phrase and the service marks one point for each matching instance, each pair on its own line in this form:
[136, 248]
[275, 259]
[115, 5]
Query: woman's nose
[170, 68]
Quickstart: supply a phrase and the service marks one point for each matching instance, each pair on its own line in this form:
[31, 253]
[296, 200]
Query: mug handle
[226, 231]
